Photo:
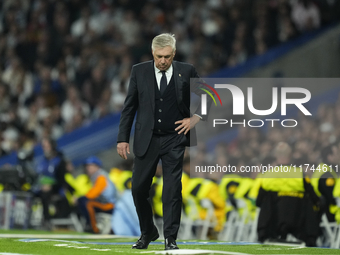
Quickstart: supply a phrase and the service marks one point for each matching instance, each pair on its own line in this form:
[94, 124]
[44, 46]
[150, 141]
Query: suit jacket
[141, 99]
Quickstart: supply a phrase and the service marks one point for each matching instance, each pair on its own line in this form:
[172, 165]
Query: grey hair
[163, 40]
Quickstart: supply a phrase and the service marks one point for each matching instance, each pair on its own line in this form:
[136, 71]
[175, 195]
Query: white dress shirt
[159, 74]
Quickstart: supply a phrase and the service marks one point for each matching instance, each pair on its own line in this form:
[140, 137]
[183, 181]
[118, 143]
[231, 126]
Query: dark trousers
[170, 149]
[88, 209]
[59, 200]
[45, 201]
[281, 215]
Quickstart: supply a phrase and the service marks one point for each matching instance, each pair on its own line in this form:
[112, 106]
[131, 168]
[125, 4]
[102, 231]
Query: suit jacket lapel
[149, 81]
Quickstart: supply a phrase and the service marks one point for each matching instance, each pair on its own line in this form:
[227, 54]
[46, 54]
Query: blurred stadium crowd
[66, 63]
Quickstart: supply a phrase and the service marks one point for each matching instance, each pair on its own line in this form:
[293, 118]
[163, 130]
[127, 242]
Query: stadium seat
[330, 230]
[71, 221]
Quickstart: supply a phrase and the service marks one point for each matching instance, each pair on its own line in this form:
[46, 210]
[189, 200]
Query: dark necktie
[163, 83]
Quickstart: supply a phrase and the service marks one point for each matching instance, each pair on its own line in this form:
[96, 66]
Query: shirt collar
[167, 71]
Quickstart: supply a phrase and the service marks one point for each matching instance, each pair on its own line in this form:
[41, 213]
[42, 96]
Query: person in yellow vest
[81, 184]
[323, 180]
[121, 178]
[286, 200]
[228, 186]
[121, 175]
[186, 177]
[254, 191]
[234, 189]
[189, 200]
[185, 174]
[156, 193]
[244, 203]
[198, 189]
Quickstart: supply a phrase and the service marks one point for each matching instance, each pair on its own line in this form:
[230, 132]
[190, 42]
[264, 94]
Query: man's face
[47, 147]
[163, 57]
[91, 169]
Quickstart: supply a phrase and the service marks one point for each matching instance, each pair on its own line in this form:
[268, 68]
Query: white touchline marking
[297, 248]
[45, 240]
[285, 244]
[8, 253]
[100, 249]
[63, 236]
[191, 251]
[51, 240]
[70, 246]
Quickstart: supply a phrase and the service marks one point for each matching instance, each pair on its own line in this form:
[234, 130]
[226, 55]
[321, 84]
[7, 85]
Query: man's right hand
[122, 148]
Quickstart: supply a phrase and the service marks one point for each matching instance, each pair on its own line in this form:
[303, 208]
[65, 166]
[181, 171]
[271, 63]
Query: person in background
[324, 179]
[288, 202]
[100, 198]
[121, 176]
[156, 193]
[51, 170]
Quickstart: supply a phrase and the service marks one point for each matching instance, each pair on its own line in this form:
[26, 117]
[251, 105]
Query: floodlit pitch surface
[58, 243]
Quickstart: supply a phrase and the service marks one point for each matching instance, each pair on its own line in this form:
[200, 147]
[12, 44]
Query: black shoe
[170, 244]
[144, 240]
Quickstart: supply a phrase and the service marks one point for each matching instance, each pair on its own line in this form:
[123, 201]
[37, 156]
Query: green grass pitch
[85, 246]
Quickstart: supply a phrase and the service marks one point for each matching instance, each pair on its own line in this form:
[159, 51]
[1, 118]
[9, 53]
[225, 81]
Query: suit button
[161, 99]
[159, 130]
[159, 120]
[160, 110]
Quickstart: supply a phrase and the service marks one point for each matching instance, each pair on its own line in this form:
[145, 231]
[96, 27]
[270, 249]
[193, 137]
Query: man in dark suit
[159, 91]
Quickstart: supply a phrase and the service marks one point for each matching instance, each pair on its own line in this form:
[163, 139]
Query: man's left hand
[186, 124]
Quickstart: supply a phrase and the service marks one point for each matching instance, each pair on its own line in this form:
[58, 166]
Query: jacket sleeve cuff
[198, 116]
